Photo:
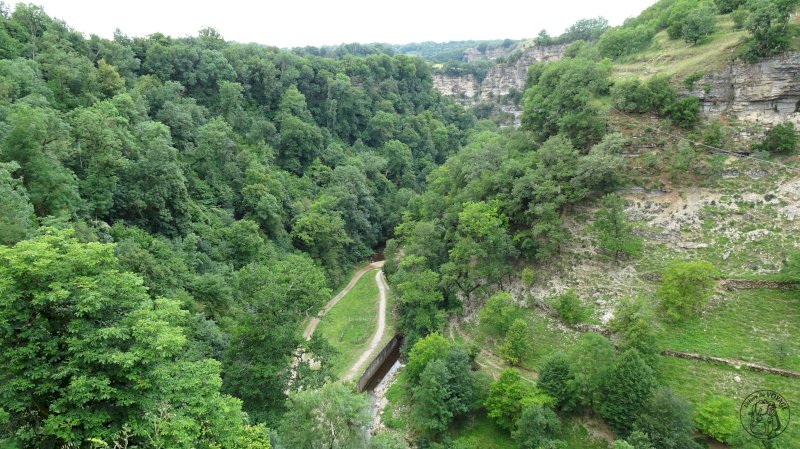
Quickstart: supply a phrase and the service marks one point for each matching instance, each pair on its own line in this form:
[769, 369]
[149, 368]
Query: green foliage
[781, 139]
[767, 23]
[509, 396]
[729, 6]
[624, 391]
[638, 440]
[516, 345]
[17, 218]
[558, 100]
[482, 247]
[556, 378]
[99, 356]
[498, 312]
[618, 42]
[387, 440]
[613, 232]
[791, 268]
[569, 307]
[739, 18]
[528, 277]
[666, 419]
[432, 347]
[717, 418]
[682, 160]
[655, 96]
[700, 23]
[691, 79]
[420, 301]
[634, 321]
[590, 361]
[685, 287]
[684, 112]
[330, 417]
[536, 426]
[444, 392]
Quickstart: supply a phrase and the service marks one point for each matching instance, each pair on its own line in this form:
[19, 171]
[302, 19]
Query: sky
[297, 23]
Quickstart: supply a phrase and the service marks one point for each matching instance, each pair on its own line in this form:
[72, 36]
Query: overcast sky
[292, 23]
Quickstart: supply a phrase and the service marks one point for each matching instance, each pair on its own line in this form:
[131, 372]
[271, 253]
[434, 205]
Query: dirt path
[312, 325]
[376, 339]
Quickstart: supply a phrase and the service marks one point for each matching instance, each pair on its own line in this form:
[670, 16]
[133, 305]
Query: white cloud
[289, 23]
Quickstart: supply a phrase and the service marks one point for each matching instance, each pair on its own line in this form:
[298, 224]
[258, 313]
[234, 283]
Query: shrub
[555, 379]
[625, 389]
[569, 307]
[498, 312]
[685, 287]
[781, 139]
[689, 81]
[684, 112]
[717, 418]
[517, 344]
[739, 18]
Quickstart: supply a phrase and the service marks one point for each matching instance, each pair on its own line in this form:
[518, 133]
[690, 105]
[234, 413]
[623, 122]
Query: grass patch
[676, 57]
[395, 414]
[546, 338]
[761, 326]
[349, 325]
[481, 432]
[698, 382]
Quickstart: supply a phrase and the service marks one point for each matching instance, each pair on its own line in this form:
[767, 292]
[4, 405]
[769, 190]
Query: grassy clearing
[699, 382]
[676, 57]
[349, 325]
[761, 326]
[547, 338]
[481, 432]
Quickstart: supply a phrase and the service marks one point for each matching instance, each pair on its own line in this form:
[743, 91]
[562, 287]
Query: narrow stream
[377, 395]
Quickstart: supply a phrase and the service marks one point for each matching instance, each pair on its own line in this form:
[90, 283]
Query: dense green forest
[173, 209]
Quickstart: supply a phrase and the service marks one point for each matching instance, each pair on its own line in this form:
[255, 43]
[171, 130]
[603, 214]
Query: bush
[498, 312]
[625, 389]
[684, 112]
[630, 95]
[555, 379]
[739, 18]
[517, 344]
[667, 419]
[781, 139]
[689, 81]
[569, 307]
[619, 42]
[700, 23]
[536, 427]
[685, 287]
[717, 418]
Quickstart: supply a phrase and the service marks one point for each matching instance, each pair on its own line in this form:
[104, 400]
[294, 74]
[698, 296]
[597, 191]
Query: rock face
[767, 92]
[505, 77]
[501, 79]
[464, 87]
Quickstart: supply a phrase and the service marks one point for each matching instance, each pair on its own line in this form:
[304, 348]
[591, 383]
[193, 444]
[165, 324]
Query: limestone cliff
[767, 92]
[502, 78]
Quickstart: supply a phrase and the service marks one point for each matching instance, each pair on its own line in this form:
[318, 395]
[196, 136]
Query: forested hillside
[172, 209]
[618, 272]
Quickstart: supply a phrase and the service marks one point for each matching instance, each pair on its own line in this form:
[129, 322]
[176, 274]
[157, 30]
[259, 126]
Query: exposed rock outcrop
[767, 92]
[465, 87]
[505, 77]
[502, 78]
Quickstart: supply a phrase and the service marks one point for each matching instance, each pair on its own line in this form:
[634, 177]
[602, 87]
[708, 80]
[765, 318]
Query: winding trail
[312, 325]
[376, 339]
